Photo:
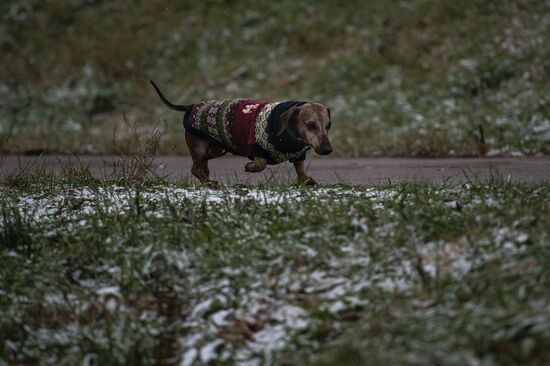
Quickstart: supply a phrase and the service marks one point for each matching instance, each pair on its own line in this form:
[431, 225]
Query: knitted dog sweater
[244, 127]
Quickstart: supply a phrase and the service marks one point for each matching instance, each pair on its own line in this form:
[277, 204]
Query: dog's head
[311, 121]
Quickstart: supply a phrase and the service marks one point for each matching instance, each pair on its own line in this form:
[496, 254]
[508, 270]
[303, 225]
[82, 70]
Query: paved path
[370, 171]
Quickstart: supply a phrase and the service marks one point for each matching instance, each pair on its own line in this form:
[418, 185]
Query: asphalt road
[357, 171]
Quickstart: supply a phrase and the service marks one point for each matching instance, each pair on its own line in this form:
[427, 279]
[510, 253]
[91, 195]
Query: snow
[112, 290]
[201, 308]
[75, 203]
[189, 357]
[208, 352]
[219, 318]
[271, 305]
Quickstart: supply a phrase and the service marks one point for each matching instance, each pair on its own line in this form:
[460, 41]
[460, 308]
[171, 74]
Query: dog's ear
[287, 118]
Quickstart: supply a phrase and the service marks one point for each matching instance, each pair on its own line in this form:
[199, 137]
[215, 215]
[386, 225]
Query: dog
[265, 132]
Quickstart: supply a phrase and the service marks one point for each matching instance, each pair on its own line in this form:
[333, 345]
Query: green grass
[410, 78]
[146, 271]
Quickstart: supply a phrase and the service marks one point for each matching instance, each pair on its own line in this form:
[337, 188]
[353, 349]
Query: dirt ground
[355, 171]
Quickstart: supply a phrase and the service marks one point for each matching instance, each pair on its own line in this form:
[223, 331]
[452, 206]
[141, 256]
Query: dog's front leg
[303, 178]
[256, 166]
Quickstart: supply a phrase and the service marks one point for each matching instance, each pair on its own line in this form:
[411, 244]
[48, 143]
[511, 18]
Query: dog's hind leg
[201, 151]
[200, 170]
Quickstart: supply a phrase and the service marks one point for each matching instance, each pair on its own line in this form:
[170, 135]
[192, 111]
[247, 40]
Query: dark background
[408, 78]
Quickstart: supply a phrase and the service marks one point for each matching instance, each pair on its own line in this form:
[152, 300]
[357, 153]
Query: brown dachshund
[265, 132]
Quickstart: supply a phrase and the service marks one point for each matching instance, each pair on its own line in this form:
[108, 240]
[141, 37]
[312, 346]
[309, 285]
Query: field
[403, 78]
[137, 268]
[134, 269]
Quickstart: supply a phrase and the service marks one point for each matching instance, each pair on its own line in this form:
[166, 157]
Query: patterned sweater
[244, 127]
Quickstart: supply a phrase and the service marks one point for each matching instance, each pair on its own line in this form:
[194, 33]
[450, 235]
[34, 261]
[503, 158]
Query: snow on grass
[272, 314]
[248, 322]
[85, 201]
[264, 320]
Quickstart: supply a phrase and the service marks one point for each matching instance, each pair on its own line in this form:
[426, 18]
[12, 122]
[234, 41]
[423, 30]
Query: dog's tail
[176, 107]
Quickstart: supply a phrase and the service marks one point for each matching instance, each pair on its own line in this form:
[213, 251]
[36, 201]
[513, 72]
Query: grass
[410, 78]
[146, 271]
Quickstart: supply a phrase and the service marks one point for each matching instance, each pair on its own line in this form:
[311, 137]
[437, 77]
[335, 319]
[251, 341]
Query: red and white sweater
[244, 127]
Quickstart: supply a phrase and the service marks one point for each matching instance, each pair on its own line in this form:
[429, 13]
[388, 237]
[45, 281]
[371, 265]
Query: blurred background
[403, 78]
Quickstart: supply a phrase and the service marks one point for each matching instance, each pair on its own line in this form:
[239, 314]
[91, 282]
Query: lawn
[133, 268]
[125, 271]
[402, 78]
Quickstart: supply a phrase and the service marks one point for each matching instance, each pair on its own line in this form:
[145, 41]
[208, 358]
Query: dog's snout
[326, 148]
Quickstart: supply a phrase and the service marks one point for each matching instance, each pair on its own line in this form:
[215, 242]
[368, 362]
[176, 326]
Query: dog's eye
[312, 126]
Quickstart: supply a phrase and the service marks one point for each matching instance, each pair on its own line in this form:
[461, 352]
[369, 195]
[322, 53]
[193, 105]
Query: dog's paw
[252, 167]
[212, 183]
[307, 181]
